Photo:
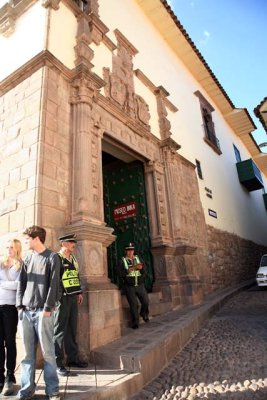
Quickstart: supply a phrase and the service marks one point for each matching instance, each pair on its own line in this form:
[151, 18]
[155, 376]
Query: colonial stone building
[114, 127]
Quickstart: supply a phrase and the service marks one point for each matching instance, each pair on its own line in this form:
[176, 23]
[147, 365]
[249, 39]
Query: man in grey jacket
[37, 295]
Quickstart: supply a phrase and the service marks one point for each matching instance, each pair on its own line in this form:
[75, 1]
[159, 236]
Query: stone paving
[225, 360]
[125, 366]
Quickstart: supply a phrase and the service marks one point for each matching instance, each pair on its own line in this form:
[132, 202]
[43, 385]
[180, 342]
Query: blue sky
[232, 37]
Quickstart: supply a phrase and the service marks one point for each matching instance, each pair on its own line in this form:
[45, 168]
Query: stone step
[144, 352]
[154, 297]
[159, 308]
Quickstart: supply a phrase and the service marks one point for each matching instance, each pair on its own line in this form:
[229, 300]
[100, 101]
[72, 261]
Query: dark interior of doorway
[126, 212]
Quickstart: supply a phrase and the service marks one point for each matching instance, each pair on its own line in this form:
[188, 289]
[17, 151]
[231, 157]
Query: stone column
[99, 317]
[161, 235]
[183, 279]
[171, 248]
[174, 181]
[157, 204]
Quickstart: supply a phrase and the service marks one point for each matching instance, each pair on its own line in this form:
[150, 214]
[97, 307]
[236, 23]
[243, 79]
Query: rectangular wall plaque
[212, 213]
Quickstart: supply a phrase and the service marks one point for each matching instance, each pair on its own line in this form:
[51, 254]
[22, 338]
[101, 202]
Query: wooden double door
[126, 211]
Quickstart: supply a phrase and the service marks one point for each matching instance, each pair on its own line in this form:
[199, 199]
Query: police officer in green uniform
[132, 271]
[66, 312]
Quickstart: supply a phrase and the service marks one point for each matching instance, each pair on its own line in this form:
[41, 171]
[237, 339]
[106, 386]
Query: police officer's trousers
[66, 315]
[132, 293]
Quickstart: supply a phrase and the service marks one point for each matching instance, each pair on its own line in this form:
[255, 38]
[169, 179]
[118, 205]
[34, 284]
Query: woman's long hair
[18, 251]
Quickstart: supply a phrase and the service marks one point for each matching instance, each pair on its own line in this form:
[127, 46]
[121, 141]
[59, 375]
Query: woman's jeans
[34, 326]
[8, 349]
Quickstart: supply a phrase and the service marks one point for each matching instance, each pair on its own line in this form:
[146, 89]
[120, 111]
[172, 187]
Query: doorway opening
[125, 208]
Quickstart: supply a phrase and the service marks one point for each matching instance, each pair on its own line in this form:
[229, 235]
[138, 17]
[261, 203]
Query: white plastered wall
[238, 211]
[27, 40]
[62, 35]
[150, 98]
[102, 58]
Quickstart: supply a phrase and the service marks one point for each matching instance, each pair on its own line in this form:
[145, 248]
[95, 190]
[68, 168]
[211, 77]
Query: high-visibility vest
[135, 273]
[70, 277]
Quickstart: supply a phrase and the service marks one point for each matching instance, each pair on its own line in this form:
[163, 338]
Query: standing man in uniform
[37, 295]
[67, 310]
[132, 271]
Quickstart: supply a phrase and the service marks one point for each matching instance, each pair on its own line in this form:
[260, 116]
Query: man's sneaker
[54, 397]
[62, 371]
[8, 388]
[29, 396]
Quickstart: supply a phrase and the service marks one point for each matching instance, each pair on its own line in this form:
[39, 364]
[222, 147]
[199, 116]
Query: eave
[261, 112]
[170, 28]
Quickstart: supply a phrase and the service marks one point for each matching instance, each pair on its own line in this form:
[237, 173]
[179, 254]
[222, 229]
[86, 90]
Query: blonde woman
[9, 275]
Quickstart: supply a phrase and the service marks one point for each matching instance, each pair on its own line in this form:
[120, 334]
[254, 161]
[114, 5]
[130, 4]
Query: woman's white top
[9, 278]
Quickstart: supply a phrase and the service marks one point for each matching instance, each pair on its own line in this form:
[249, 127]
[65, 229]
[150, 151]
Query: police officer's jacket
[134, 278]
[69, 273]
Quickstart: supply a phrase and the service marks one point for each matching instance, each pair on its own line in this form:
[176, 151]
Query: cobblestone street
[225, 360]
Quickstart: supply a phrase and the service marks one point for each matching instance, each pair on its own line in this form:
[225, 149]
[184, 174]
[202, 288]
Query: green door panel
[126, 211]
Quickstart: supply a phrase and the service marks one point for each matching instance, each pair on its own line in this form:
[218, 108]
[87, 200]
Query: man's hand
[80, 299]
[47, 313]
[139, 266]
[131, 269]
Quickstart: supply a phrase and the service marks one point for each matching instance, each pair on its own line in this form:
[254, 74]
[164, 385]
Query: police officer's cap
[68, 238]
[129, 246]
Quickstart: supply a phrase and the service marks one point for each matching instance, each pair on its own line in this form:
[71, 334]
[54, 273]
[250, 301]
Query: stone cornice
[170, 143]
[44, 58]
[90, 231]
[125, 43]
[112, 108]
[173, 249]
[98, 29]
[81, 71]
[154, 166]
[155, 89]
[109, 44]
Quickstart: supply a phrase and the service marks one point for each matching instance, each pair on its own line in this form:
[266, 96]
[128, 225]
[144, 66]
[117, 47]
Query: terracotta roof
[190, 41]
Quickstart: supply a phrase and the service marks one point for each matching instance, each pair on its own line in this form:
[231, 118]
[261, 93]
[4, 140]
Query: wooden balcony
[249, 175]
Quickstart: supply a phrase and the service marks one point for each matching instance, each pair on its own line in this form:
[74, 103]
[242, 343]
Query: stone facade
[19, 151]
[54, 122]
[231, 259]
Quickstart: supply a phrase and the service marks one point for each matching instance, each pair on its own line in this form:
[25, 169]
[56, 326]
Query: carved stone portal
[120, 82]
